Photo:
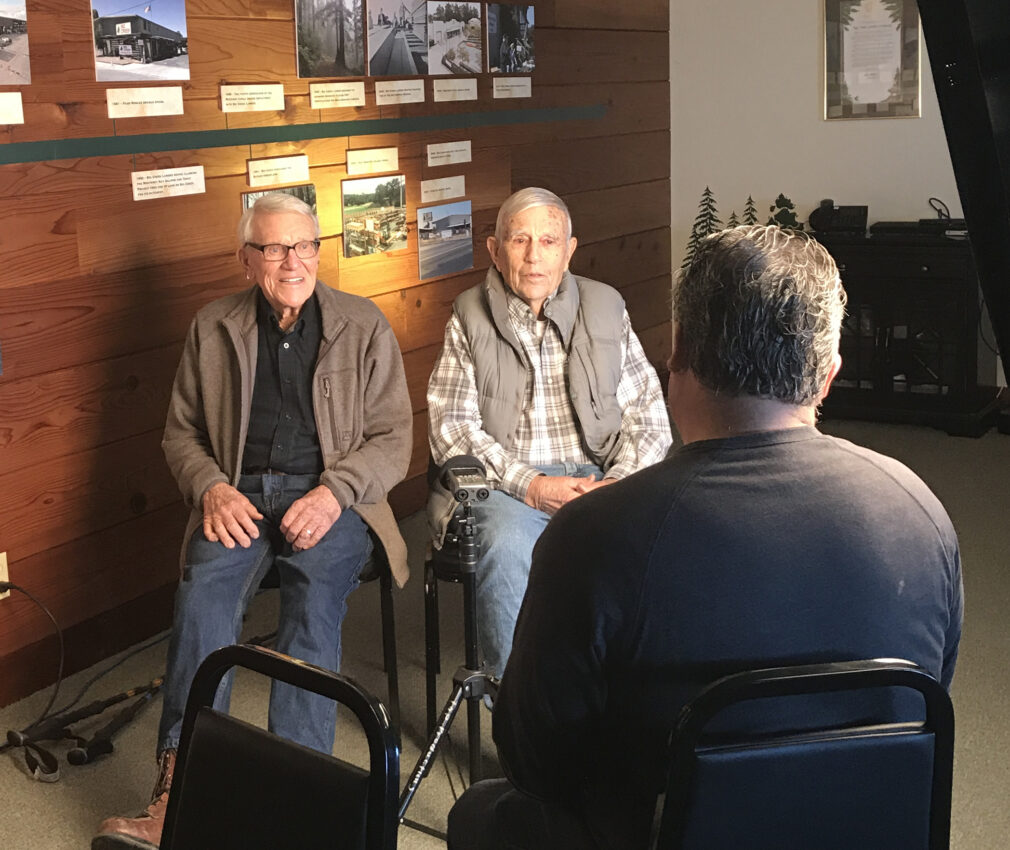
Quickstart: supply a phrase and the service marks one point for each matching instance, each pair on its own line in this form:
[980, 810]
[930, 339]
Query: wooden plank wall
[97, 290]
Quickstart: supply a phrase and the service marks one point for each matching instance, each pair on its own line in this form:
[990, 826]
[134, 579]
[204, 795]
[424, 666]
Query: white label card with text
[453, 89]
[279, 169]
[144, 102]
[249, 98]
[331, 95]
[388, 92]
[449, 153]
[10, 108]
[442, 189]
[167, 182]
[373, 161]
[513, 87]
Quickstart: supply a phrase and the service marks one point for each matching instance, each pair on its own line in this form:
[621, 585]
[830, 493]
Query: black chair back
[239, 786]
[885, 785]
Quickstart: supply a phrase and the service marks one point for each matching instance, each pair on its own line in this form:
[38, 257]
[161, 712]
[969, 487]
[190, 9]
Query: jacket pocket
[338, 410]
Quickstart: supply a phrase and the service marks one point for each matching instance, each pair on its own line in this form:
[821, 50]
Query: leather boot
[144, 831]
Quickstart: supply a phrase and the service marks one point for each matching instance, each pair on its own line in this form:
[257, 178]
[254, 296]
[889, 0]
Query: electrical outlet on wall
[4, 575]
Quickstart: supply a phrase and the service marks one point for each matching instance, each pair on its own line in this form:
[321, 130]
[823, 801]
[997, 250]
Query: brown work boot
[143, 831]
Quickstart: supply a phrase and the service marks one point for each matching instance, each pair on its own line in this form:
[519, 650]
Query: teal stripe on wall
[159, 142]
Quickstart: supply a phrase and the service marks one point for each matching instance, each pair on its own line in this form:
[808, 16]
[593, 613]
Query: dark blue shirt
[282, 426]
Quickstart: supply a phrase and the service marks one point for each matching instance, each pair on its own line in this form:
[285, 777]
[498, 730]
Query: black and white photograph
[305, 192]
[510, 39]
[331, 38]
[444, 239]
[375, 215]
[455, 38]
[143, 42]
[15, 69]
[397, 38]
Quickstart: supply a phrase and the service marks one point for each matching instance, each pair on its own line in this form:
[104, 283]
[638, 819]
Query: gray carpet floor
[971, 477]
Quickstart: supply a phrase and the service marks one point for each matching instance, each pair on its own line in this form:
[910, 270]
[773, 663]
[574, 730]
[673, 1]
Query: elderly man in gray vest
[541, 378]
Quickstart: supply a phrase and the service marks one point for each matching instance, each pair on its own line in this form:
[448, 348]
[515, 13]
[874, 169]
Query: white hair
[274, 202]
[525, 199]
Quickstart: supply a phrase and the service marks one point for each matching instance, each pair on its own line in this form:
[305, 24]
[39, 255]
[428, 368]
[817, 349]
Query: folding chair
[239, 787]
[875, 786]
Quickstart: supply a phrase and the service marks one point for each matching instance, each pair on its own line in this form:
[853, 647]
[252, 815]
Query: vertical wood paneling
[98, 290]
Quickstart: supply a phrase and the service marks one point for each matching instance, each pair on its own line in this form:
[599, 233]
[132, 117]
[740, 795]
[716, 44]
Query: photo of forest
[331, 38]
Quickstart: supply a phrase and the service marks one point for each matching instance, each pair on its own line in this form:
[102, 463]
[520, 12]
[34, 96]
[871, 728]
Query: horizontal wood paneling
[638, 15]
[418, 365]
[70, 497]
[648, 302]
[621, 210]
[98, 290]
[597, 163]
[601, 56]
[70, 410]
[28, 667]
[624, 259]
[89, 318]
[123, 561]
[657, 342]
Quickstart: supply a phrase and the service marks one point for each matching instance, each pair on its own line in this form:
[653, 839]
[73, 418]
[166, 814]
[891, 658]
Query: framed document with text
[871, 59]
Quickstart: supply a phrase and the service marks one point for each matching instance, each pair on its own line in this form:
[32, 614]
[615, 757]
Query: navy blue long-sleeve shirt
[781, 547]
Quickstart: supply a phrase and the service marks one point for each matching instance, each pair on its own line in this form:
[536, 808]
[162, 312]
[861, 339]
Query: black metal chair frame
[686, 741]
[383, 742]
[376, 567]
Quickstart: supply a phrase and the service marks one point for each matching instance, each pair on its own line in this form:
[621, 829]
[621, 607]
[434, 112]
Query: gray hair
[525, 199]
[760, 311]
[274, 202]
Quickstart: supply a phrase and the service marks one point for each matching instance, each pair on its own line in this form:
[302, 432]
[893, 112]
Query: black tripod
[457, 561]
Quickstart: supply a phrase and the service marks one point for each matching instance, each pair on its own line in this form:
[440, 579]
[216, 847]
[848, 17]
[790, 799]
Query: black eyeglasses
[305, 250]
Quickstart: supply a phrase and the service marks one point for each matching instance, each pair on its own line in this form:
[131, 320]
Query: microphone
[465, 477]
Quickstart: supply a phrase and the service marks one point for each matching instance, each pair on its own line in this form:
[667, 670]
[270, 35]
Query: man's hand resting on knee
[548, 493]
[310, 517]
[229, 517]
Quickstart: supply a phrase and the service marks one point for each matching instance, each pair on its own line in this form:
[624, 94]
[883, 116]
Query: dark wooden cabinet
[910, 337]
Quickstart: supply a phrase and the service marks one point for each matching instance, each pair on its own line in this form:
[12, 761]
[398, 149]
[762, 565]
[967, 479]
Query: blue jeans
[507, 531]
[218, 583]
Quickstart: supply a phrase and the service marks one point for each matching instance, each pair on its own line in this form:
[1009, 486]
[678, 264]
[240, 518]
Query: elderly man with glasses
[288, 425]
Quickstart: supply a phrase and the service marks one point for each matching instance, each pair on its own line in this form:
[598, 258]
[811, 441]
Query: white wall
[746, 106]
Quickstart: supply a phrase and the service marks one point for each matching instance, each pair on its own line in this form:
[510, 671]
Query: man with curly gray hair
[760, 542]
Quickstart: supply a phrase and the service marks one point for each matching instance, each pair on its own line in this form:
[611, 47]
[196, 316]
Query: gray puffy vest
[589, 316]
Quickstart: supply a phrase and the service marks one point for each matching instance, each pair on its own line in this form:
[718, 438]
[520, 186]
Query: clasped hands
[548, 493]
[230, 518]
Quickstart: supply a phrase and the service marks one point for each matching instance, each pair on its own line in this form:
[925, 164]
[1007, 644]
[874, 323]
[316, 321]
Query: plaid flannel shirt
[548, 431]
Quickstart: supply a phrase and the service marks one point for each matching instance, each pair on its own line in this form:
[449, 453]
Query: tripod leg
[473, 733]
[424, 763]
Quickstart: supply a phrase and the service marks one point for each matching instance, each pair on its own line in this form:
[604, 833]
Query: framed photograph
[141, 43]
[397, 38]
[444, 239]
[375, 215]
[871, 59]
[510, 42]
[455, 38]
[331, 38]
[15, 68]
